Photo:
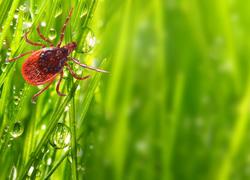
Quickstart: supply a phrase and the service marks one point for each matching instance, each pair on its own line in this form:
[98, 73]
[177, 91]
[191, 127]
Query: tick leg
[32, 43]
[86, 66]
[40, 92]
[42, 36]
[58, 85]
[74, 74]
[64, 27]
[21, 55]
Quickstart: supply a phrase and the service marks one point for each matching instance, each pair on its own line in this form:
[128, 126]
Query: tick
[44, 65]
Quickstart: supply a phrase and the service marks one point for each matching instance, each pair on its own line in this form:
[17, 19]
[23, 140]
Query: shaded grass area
[174, 106]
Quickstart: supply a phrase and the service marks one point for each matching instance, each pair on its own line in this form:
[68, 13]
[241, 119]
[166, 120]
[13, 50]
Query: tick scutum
[52, 60]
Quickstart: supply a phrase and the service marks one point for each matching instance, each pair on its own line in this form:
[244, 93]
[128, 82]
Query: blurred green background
[175, 104]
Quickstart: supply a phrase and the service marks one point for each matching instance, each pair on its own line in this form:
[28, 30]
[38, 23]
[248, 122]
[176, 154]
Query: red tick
[44, 65]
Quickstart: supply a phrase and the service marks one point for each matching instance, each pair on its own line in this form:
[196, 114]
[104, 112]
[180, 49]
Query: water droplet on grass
[52, 34]
[15, 16]
[23, 7]
[31, 170]
[84, 11]
[58, 12]
[43, 23]
[27, 25]
[49, 161]
[3, 67]
[17, 130]
[13, 173]
[61, 136]
[89, 42]
[16, 100]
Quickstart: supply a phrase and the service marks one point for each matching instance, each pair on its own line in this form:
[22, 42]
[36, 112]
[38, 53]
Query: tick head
[70, 47]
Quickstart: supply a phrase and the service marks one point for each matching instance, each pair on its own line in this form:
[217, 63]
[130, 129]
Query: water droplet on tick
[89, 42]
[84, 11]
[58, 12]
[17, 130]
[52, 34]
[61, 136]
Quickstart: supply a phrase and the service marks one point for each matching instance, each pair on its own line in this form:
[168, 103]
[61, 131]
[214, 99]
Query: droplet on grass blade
[16, 100]
[31, 170]
[13, 173]
[61, 136]
[3, 67]
[52, 34]
[43, 24]
[58, 12]
[27, 24]
[84, 11]
[17, 130]
[89, 41]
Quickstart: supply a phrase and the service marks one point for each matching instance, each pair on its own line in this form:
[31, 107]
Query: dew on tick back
[61, 136]
[52, 34]
[89, 41]
[17, 130]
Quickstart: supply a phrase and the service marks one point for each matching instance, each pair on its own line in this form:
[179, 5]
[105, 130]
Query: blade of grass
[73, 140]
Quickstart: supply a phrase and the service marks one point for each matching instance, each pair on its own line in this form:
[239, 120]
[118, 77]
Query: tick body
[44, 65]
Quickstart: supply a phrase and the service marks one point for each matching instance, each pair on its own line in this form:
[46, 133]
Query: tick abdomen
[44, 65]
[52, 60]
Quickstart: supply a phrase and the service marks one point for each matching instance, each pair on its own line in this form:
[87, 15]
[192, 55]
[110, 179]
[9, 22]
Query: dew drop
[13, 173]
[89, 42]
[43, 23]
[15, 16]
[58, 12]
[84, 11]
[66, 109]
[30, 172]
[17, 129]
[61, 136]
[80, 169]
[23, 8]
[49, 161]
[16, 100]
[27, 25]
[52, 34]
[3, 67]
